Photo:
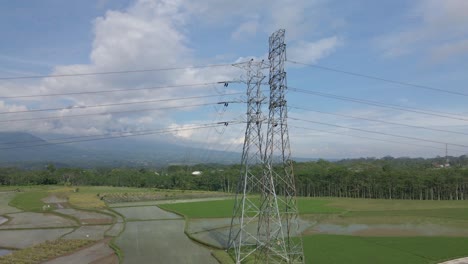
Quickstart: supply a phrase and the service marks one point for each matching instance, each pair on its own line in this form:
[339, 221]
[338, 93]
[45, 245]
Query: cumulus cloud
[148, 34]
[155, 34]
[311, 52]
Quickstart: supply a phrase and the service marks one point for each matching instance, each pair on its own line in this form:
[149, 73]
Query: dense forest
[386, 178]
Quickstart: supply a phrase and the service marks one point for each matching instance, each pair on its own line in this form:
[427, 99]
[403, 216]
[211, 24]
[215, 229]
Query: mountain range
[27, 150]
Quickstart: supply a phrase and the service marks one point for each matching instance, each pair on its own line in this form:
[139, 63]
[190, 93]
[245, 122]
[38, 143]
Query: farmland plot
[88, 232]
[160, 242]
[145, 213]
[28, 238]
[37, 220]
[5, 198]
[86, 217]
[159, 238]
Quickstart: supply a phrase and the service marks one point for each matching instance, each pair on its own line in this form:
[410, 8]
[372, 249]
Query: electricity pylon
[279, 212]
[265, 228]
[243, 235]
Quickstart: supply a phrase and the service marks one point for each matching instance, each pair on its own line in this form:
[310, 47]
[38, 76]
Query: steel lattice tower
[243, 236]
[265, 228]
[279, 213]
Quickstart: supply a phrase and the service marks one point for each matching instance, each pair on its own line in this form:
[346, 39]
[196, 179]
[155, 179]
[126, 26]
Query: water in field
[389, 230]
[153, 235]
[4, 252]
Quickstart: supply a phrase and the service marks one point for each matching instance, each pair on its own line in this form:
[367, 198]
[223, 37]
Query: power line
[383, 105]
[104, 113]
[379, 78]
[115, 90]
[99, 135]
[380, 121]
[376, 139]
[379, 133]
[114, 72]
[131, 134]
[115, 104]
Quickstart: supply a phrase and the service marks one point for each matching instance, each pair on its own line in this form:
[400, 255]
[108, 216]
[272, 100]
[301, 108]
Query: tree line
[386, 178]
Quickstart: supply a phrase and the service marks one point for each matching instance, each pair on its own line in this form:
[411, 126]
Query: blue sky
[422, 42]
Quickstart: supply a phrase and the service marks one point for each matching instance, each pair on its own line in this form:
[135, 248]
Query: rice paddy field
[132, 225]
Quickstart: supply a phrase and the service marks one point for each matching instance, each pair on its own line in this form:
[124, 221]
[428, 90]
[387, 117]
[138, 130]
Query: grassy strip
[222, 257]
[206, 209]
[328, 249]
[44, 251]
[223, 208]
[112, 244]
[29, 201]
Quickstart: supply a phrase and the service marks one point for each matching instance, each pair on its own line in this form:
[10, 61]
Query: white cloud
[154, 34]
[311, 52]
[149, 34]
[298, 17]
[4, 107]
[245, 29]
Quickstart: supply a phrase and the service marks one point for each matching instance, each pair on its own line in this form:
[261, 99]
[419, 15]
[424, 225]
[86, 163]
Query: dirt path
[457, 261]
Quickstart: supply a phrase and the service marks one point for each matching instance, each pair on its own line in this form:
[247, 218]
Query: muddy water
[389, 230]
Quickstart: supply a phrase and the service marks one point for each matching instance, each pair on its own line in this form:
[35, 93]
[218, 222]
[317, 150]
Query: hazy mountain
[26, 150]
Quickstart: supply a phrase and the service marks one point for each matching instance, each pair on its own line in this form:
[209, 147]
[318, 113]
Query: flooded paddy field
[27, 238]
[36, 220]
[190, 228]
[158, 235]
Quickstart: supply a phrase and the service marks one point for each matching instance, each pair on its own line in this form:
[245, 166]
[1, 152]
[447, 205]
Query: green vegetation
[223, 208]
[29, 201]
[386, 178]
[44, 251]
[321, 248]
[208, 209]
[315, 206]
[222, 257]
[412, 250]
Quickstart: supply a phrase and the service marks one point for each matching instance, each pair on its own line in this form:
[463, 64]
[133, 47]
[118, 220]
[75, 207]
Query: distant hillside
[26, 150]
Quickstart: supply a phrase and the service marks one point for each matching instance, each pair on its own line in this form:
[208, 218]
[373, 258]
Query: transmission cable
[379, 121]
[114, 72]
[379, 133]
[376, 139]
[115, 90]
[378, 78]
[160, 131]
[104, 113]
[383, 105]
[114, 104]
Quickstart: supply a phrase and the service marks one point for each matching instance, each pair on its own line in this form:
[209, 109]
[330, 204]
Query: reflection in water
[422, 229]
